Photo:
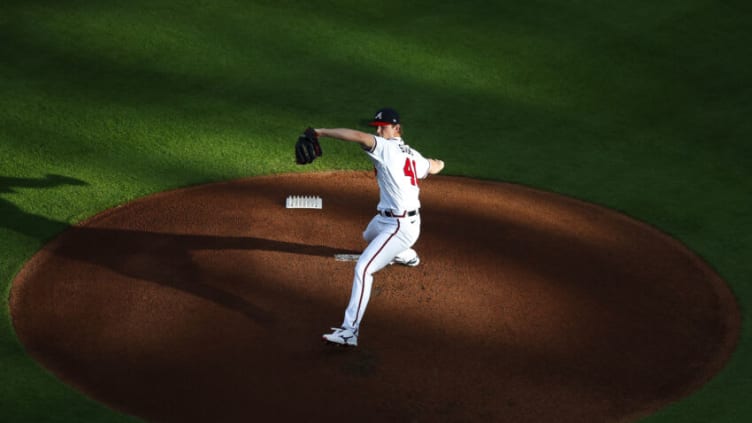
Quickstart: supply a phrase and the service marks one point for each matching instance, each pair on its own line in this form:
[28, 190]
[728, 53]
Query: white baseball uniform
[396, 227]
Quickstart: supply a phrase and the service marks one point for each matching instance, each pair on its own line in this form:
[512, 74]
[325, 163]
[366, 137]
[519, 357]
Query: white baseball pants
[388, 237]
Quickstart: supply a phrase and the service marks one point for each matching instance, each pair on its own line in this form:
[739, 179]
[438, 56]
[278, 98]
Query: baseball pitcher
[396, 226]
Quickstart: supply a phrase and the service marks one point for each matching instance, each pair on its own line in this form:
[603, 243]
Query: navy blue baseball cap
[384, 117]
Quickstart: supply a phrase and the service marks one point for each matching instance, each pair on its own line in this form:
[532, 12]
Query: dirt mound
[208, 303]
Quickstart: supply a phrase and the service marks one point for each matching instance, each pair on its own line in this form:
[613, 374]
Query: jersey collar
[398, 139]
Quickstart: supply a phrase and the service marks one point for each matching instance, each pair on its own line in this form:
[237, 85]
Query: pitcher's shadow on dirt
[165, 259]
[161, 258]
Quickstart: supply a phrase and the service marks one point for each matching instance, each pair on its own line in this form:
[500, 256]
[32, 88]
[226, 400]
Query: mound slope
[207, 304]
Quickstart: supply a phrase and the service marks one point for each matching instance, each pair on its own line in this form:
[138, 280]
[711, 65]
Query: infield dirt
[208, 304]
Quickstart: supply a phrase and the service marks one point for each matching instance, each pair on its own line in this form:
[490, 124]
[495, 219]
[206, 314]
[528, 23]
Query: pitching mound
[208, 304]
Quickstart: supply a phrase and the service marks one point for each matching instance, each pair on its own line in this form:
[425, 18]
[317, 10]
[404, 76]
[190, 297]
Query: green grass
[642, 107]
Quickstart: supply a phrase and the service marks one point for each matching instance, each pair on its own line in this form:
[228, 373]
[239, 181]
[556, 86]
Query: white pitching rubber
[346, 257]
[303, 202]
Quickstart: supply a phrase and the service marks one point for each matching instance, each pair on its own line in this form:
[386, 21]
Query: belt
[388, 213]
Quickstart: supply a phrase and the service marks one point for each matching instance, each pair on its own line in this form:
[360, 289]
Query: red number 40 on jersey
[410, 171]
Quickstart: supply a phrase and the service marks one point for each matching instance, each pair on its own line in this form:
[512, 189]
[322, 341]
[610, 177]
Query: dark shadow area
[7, 183]
[15, 219]
[166, 259]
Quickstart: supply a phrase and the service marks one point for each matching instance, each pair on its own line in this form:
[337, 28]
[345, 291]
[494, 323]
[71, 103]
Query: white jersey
[398, 169]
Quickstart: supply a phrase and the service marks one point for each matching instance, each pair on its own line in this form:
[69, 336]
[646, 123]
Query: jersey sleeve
[377, 152]
[421, 165]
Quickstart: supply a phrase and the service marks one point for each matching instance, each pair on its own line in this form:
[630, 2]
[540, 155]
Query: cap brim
[376, 123]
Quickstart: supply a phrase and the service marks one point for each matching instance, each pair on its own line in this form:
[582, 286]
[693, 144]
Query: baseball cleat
[341, 336]
[410, 263]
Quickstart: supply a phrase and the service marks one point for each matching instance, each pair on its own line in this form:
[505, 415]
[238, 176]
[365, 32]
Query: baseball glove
[307, 148]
